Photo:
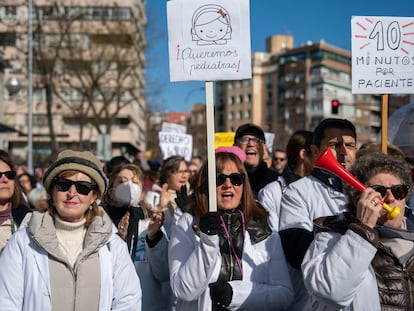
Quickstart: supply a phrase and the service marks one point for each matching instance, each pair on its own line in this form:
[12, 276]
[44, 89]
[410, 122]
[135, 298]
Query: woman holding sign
[229, 259]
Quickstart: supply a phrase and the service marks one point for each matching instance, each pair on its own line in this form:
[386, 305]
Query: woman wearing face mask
[136, 224]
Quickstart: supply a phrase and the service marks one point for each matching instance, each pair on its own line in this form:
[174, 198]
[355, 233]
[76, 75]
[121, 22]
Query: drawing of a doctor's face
[211, 23]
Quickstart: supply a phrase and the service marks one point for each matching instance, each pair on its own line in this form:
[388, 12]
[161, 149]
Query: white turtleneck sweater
[70, 236]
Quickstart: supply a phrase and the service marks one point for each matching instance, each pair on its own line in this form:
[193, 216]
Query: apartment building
[292, 88]
[87, 75]
[197, 127]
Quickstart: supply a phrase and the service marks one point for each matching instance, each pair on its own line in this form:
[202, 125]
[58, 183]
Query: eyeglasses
[246, 140]
[279, 159]
[236, 179]
[82, 187]
[398, 191]
[182, 172]
[9, 174]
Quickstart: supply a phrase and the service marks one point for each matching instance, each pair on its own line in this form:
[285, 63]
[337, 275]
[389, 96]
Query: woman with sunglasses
[363, 260]
[69, 256]
[13, 209]
[229, 259]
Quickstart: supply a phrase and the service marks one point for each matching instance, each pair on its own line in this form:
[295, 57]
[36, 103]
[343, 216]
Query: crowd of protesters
[83, 234]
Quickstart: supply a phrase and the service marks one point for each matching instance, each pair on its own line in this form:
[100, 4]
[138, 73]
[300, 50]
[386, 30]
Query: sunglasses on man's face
[236, 179]
[398, 191]
[8, 174]
[82, 187]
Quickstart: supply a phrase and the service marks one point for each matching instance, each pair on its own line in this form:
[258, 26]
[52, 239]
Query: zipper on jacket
[230, 252]
[409, 287]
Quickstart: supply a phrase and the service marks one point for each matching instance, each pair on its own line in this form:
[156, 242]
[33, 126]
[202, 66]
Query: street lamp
[187, 97]
[30, 88]
[13, 85]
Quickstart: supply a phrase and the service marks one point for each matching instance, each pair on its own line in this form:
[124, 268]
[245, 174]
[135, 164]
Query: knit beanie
[82, 161]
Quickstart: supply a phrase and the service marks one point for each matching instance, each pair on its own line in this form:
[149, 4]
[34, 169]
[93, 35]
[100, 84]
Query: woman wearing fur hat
[69, 257]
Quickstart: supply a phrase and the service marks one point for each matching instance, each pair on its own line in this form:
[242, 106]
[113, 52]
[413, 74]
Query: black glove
[210, 223]
[221, 294]
[182, 198]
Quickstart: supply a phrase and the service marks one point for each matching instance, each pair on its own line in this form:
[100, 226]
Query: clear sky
[303, 19]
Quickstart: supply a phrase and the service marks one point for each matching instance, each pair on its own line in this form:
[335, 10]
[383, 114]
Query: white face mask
[128, 193]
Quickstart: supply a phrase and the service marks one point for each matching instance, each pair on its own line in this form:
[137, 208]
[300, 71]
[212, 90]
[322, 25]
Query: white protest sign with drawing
[382, 55]
[176, 144]
[209, 40]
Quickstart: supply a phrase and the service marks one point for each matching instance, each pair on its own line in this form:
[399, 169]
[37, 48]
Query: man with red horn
[317, 195]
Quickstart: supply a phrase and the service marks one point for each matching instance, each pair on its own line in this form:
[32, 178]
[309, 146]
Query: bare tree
[91, 69]
[102, 68]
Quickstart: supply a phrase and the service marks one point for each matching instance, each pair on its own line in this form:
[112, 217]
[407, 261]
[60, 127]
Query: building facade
[87, 76]
[197, 127]
[292, 88]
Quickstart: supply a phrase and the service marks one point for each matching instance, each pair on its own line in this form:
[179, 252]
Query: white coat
[195, 262]
[156, 289]
[269, 197]
[303, 201]
[338, 273]
[24, 284]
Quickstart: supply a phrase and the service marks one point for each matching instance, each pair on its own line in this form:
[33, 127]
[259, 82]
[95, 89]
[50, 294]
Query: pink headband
[233, 149]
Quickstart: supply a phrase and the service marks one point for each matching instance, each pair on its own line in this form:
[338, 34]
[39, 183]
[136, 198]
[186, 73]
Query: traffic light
[334, 106]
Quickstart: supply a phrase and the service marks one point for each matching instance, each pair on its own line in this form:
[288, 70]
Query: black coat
[260, 176]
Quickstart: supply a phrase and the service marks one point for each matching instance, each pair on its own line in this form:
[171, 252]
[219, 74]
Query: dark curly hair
[374, 163]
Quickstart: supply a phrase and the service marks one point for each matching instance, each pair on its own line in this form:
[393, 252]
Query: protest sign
[176, 144]
[209, 40]
[173, 128]
[270, 138]
[382, 55]
[223, 139]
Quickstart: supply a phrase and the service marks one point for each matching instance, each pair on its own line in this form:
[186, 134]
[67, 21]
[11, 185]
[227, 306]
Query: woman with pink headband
[229, 259]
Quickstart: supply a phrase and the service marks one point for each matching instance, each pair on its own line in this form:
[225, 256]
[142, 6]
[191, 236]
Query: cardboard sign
[209, 40]
[270, 138]
[176, 144]
[223, 139]
[382, 55]
[173, 128]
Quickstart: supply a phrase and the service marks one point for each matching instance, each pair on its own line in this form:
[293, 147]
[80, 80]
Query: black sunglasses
[9, 174]
[82, 187]
[398, 191]
[236, 179]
